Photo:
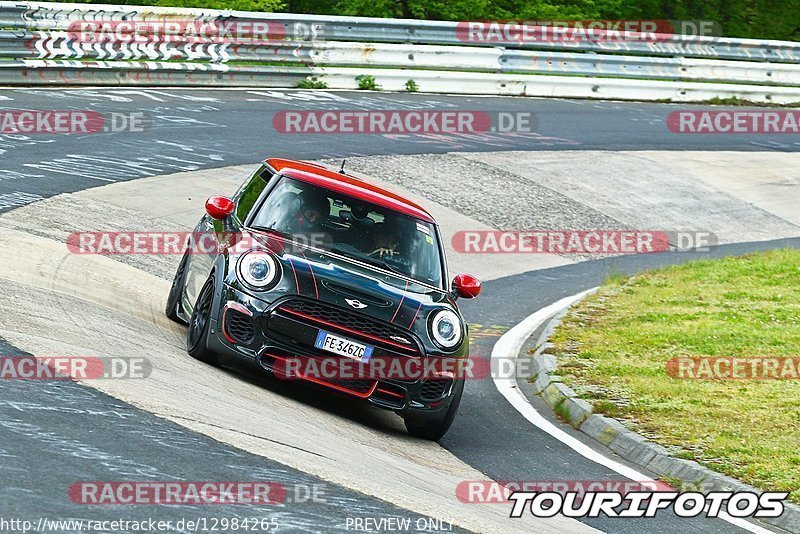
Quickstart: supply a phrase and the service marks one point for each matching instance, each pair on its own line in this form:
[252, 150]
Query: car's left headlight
[445, 329]
[257, 269]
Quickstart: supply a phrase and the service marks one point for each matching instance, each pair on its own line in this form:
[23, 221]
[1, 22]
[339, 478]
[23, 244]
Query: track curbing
[625, 443]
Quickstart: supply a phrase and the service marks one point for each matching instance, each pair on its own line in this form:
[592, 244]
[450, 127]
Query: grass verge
[613, 349]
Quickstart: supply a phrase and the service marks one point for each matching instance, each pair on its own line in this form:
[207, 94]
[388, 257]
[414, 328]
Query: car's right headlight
[258, 269]
[445, 328]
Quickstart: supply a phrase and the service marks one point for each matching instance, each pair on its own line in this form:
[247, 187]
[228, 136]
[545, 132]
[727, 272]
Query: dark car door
[210, 234]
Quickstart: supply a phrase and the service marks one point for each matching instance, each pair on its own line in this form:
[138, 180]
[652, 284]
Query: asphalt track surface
[194, 129]
[53, 434]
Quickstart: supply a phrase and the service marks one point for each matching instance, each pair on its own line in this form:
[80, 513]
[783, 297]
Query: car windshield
[353, 228]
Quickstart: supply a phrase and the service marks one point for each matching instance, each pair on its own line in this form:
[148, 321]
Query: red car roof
[348, 185]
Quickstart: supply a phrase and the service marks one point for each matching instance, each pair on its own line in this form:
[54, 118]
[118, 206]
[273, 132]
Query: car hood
[322, 275]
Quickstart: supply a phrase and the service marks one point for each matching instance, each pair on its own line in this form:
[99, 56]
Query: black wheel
[434, 428]
[200, 324]
[175, 292]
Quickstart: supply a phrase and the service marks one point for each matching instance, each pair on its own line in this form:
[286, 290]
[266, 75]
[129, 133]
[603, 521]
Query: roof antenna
[341, 171]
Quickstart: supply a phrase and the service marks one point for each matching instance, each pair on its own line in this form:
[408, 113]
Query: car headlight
[257, 269]
[446, 329]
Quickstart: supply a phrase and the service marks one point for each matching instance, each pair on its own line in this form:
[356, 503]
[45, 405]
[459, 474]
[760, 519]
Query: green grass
[312, 83]
[614, 346]
[366, 82]
[411, 86]
[736, 101]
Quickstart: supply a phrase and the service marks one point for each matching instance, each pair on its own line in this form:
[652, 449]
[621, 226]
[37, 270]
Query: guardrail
[48, 43]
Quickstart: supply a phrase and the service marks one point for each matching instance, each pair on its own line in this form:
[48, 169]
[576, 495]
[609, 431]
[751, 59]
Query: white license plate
[343, 346]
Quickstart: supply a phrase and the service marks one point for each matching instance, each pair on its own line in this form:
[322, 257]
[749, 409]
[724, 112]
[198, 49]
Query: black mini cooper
[316, 275]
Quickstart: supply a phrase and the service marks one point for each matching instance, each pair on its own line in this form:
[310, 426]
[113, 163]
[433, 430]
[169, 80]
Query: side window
[248, 194]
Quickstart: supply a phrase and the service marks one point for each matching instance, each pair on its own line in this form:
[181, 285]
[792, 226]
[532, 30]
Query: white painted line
[508, 347]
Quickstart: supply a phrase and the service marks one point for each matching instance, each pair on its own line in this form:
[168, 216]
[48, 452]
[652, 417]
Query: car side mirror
[219, 208]
[466, 286]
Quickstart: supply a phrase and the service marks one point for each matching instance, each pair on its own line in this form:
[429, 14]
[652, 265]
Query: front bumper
[279, 339]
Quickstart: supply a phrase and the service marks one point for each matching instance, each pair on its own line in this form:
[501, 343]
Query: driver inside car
[386, 241]
[312, 210]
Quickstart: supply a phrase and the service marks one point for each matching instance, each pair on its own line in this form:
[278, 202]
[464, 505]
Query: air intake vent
[239, 326]
[434, 389]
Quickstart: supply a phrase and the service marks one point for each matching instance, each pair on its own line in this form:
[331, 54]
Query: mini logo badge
[357, 304]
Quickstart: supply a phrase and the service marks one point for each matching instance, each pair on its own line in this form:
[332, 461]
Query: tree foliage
[760, 19]
[242, 5]
[763, 19]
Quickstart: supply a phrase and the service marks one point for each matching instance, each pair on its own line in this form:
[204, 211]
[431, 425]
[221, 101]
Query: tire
[200, 325]
[174, 298]
[434, 428]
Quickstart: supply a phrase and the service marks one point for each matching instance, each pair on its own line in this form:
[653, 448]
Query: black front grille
[239, 326]
[434, 389]
[356, 385]
[351, 321]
